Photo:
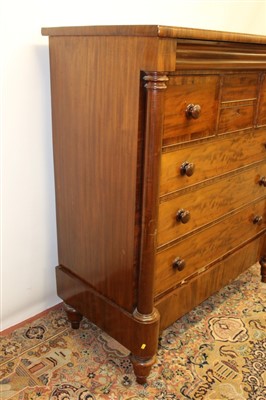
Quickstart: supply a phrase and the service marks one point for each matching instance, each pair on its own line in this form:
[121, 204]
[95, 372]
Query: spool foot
[142, 368]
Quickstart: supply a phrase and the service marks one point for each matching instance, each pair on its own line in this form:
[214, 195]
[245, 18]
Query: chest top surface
[160, 31]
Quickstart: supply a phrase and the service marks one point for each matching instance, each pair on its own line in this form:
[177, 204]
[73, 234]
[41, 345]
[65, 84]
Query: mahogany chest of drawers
[159, 138]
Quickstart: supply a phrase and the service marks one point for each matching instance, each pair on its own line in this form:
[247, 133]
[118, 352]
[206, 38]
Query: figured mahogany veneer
[206, 204]
[159, 137]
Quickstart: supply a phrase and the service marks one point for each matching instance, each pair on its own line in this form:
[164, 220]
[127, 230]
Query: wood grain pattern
[96, 158]
[185, 90]
[213, 56]
[209, 203]
[92, 164]
[202, 248]
[212, 158]
[92, 304]
[197, 289]
[228, 103]
[155, 86]
[236, 116]
[121, 132]
[155, 30]
[239, 86]
[262, 103]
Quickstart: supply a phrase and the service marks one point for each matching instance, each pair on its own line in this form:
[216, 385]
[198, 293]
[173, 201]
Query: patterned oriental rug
[217, 351]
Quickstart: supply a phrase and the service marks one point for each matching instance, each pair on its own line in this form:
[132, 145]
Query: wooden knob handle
[257, 219]
[187, 168]
[183, 216]
[262, 181]
[179, 264]
[193, 111]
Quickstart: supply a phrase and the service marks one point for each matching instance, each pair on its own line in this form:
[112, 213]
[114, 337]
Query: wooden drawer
[208, 203]
[205, 247]
[236, 116]
[238, 102]
[197, 289]
[210, 159]
[185, 90]
[237, 87]
[262, 103]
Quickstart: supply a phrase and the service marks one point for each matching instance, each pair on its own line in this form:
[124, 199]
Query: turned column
[146, 313]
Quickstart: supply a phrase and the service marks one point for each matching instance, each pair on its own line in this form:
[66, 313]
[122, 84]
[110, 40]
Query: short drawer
[197, 251]
[238, 102]
[184, 213]
[210, 159]
[236, 116]
[237, 87]
[191, 104]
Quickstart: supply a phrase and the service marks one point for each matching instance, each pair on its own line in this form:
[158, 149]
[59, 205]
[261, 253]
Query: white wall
[27, 194]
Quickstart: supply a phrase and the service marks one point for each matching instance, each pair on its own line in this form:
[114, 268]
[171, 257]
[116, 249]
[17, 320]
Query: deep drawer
[205, 247]
[182, 214]
[181, 125]
[210, 159]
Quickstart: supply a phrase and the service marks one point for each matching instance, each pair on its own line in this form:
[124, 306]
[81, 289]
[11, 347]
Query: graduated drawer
[210, 159]
[183, 91]
[203, 248]
[193, 209]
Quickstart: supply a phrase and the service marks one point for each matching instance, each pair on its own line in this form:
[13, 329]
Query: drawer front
[236, 117]
[237, 87]
[210, 159]
[205, 247]
[182, 91]
[185, 297]
[262, 103]
[238, 102]
[192, 210]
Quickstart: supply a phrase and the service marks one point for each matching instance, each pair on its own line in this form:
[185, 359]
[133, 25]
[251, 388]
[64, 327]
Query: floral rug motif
[215, 352]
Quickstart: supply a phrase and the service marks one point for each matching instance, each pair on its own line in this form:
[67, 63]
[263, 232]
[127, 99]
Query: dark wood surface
[206, 246]
[225, 154]
[207, 205]
[148, 121]
[192, 291]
